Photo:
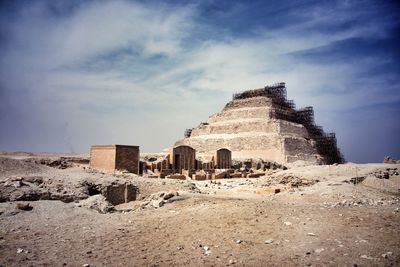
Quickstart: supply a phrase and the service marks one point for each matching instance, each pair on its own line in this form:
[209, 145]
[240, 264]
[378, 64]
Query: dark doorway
[177, 162]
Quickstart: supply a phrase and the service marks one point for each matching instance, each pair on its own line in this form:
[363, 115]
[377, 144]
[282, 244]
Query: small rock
[169, 195]
[311, 234]
[366, 257]
[387, 254]
[86, 265]
[232, 262]
[269, 241]
[206, 248]
[287, 223]
[157, 203]
[23, 206]
[238, 241]
[20, 250]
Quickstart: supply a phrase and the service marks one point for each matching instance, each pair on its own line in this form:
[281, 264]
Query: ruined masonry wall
[237, 127]
[290, 128]
[243, 113]
[234, 143]
[249, 103]
[127, 158]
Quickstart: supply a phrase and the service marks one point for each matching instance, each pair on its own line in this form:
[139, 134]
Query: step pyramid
[263, 124]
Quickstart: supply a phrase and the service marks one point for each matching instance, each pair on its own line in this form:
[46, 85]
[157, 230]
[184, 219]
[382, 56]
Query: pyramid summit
[263, 124]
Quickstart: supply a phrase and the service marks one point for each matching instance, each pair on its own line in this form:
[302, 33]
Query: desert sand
[331, 215]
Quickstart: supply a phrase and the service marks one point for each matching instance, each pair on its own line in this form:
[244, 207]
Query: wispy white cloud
[129, 72]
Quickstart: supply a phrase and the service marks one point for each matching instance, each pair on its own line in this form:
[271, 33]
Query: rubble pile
[390, 160]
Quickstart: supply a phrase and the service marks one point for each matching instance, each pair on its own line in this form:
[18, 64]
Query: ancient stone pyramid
[263, 124]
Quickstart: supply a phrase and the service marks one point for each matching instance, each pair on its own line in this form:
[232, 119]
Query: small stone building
[223, 159]
[110, 158]
[183, 158]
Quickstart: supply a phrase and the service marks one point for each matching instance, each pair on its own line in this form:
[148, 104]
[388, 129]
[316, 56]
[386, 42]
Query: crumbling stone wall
[242, 113]
[127, 158]
[117, 194]
[248, 102]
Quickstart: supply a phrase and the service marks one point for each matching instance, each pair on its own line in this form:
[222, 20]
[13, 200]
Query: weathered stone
[262, 124]
[98, 203]
[111, 158]
[120, 193]
[24, 206]
[169, 195]
[176, 176]
[157, 203]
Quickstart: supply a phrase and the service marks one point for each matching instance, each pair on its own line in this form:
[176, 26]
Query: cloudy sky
[76, 73]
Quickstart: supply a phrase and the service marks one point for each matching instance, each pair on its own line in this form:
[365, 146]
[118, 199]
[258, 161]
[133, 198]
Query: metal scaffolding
[284, 109]
[188, 133]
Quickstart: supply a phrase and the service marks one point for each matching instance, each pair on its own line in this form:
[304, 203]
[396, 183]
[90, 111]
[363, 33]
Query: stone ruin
[182, 161]
[263, 124]
[258, 130]
[112, 158]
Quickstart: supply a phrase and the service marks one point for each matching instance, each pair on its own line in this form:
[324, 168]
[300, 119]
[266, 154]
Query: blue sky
[76, 73]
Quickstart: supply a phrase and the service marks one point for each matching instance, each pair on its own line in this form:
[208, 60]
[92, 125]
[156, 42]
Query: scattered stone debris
[33, 188]
[385, 174]
[387, 254]
[157, 200]
[356, 180]
[294, 181]
[364, 201]
[269, 241]
[367, 257]
[60, 163]
[191, 187]
[290, 181]
[257, 164]
[98, 203]
[390, 160]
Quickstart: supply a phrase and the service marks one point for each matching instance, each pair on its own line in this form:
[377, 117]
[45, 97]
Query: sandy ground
[240, 222]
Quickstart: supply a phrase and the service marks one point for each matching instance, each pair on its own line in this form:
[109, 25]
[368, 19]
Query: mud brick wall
[127, 158]
[102, 157]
